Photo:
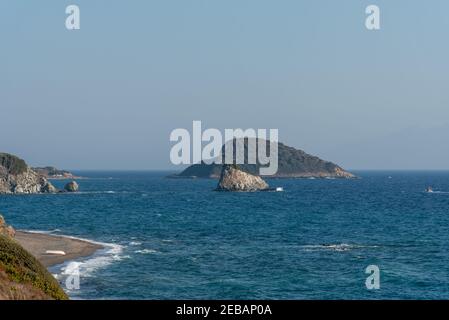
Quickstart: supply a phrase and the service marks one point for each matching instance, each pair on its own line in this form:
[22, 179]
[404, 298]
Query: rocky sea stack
[71, 187]
[234, 179]
[17, 178]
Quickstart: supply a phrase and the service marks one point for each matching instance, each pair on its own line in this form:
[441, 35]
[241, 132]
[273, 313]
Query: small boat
[279, 189]
[429, 190]
[55, 252]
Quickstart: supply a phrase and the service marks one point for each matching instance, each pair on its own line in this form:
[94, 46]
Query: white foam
[70, 268]
[94, 192]
[42, 231]
[146, 251]
[335, 247]
[113, 253]
[87, 266]
[91, 192]
[135, 243]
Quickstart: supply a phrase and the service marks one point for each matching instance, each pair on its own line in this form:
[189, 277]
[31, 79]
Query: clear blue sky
[107, 96]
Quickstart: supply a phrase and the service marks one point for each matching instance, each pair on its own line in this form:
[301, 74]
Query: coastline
[66, 178]
[38, 243]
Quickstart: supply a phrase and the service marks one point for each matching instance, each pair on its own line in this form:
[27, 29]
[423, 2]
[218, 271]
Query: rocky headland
[53, 173]
[17, 177]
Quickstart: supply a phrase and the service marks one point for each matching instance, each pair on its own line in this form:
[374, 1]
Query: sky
[107, 96]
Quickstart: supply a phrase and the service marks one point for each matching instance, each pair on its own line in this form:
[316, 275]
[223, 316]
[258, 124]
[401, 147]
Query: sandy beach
[37, 244]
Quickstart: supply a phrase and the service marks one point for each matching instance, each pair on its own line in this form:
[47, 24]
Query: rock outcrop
[292, 163]
[16, 177]
[49, 188]
[71, 187]
[6, 230]
[22, 276]
[234, 179]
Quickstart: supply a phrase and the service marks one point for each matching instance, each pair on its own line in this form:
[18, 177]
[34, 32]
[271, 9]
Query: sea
[317, 239]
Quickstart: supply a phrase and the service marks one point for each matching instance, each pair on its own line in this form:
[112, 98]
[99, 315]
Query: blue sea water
[178, 239]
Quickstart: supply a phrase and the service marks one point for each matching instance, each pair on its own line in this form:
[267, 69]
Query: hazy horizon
[107, 96]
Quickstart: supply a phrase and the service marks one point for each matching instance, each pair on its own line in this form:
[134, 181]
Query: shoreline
[65, 178]
[38, 243]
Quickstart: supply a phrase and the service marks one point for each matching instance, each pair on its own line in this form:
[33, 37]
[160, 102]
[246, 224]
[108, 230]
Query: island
[53, 173]
[292, 163]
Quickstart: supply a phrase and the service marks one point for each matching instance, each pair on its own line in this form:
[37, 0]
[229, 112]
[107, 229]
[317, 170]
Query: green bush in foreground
[22, 268]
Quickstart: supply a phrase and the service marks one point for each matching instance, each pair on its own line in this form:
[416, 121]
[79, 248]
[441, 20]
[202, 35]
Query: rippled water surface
[177, 239]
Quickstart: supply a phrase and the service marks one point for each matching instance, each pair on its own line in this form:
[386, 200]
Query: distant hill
[292, 163]
[54, 173]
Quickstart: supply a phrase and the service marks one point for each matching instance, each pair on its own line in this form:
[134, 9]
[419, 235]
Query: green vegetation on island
[292, 163]
[12, 164]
